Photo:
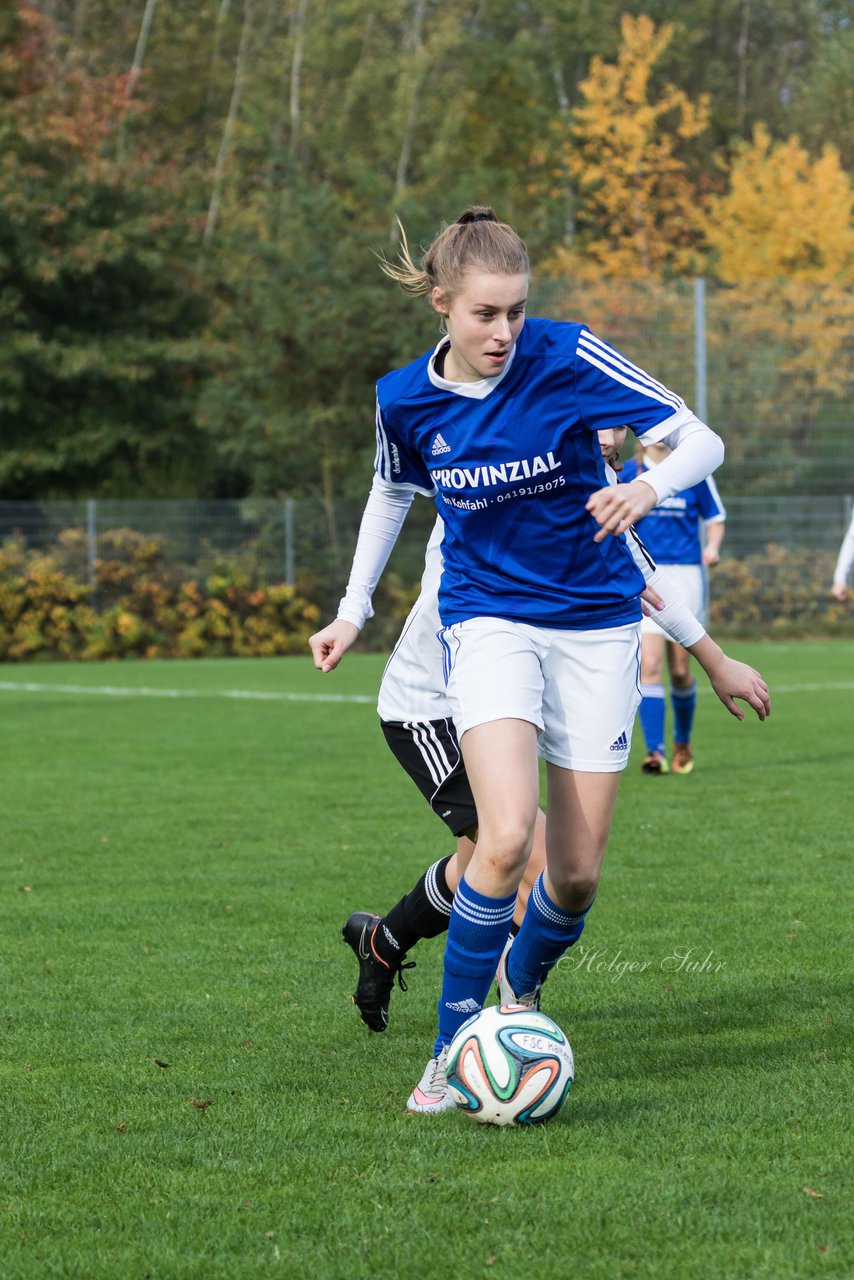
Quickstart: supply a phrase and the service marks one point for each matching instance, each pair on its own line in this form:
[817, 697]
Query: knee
[575, 888]
[651, 671]
[506, 848]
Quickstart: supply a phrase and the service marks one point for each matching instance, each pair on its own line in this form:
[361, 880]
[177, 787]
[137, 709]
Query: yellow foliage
[46, 610]
[784, 215]
[637, 206]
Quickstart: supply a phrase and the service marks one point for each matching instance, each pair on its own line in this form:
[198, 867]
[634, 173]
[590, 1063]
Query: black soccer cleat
[376, 979]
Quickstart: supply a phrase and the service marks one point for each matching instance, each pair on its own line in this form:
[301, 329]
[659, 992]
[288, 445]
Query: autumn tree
[783, 237]
[624, 151]
[784, 215]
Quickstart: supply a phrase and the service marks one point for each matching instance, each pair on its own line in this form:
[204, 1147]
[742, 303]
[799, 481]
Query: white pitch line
[258, 695]
[145, 691]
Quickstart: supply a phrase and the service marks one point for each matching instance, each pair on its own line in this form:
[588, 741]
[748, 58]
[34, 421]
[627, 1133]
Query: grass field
[187, 1091]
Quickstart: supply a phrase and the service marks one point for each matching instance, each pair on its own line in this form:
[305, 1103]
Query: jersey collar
[474, 390]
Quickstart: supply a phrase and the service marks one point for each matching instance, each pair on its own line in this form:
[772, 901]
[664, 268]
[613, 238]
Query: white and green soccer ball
[510, 1065]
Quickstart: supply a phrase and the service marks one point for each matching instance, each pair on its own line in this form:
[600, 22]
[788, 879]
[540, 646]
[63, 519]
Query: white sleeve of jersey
[675, 618]
[697, 452]
[382, 520]
[846, 557]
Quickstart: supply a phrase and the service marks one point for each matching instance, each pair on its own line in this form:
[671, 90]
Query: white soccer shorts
[581, 689]
[685, 582]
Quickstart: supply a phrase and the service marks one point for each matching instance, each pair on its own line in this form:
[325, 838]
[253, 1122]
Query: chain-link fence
[289, 540]
[770, 368]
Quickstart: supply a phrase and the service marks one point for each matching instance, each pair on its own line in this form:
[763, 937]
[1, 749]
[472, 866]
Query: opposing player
[538, 599]
[671, 532]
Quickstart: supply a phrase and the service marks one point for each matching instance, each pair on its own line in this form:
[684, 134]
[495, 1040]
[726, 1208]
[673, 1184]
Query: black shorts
[429, 752]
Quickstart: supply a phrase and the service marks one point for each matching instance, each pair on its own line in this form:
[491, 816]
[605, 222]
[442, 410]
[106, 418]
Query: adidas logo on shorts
[439, 446]
[622, 743]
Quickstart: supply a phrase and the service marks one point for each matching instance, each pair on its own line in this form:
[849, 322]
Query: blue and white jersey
[511, 462]
[671, 531]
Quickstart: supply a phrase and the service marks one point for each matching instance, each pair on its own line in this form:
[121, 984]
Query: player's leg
[653, 705]
[501, 761]
[589, 706]
[683, 697]
[429, 752]
[381, 943]
[495, 691]
[579, 815]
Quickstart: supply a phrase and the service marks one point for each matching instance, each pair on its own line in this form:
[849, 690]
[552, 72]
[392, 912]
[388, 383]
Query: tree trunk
[564, 107]
[743, 48]
[415, 43]
[142, 41]
[296, 72]
[230, 122]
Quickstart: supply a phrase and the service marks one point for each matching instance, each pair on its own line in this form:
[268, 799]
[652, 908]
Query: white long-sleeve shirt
[846, 557]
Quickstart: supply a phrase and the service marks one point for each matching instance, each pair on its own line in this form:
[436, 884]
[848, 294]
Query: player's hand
[617, 506]
[732, 679]
[711, 557]
[839, 591]
[329, 645]
[651, 600]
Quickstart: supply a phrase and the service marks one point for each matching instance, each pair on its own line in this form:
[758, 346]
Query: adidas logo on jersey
[622, 743]
[463, 1006]
[439, 446]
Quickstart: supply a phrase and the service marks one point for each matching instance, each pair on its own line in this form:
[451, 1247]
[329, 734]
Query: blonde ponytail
[476, 240]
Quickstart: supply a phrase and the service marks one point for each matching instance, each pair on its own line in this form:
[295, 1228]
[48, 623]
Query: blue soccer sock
[684, 703]
[547, 931]
[652, 712]
[477, 932]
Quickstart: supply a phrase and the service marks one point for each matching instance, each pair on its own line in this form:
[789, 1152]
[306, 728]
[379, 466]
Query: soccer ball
[510, 1065]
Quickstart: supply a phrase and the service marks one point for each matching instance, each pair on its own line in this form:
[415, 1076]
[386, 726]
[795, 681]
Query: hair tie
[480, 215]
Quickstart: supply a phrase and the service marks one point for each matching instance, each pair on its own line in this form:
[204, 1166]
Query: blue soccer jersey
[671, 531]
[511, 463]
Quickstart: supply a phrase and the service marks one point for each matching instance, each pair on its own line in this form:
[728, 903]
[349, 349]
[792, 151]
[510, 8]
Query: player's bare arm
[329, 645]
[731, 679]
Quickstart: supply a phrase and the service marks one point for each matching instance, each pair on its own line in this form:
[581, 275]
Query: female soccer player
[538, 599]
[671, 533]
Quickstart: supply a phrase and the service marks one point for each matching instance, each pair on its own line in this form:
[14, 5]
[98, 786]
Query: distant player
[671, 532]
[839, 588]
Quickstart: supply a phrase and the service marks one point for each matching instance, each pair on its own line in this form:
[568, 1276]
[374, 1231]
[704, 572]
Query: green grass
[174, 873]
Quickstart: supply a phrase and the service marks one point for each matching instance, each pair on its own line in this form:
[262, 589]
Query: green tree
[101, 346]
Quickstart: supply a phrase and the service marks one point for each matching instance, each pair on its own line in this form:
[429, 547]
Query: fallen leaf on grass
[158, 1063]
[121, 1128]
[201, 1105]
[816, 1195]
[25, 888]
